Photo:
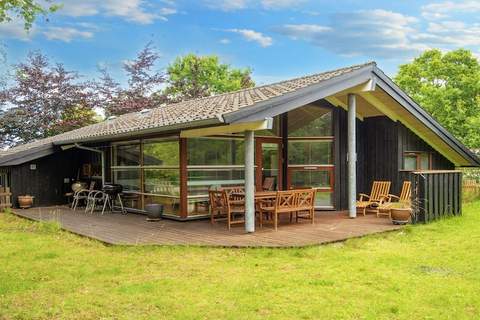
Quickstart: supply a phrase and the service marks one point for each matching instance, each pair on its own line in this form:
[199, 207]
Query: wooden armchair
[405, 197]
[268, 184]
[305, 204]
[378, 194]
[217, 206]
[234, 208]
[225, 207]
[285, 202]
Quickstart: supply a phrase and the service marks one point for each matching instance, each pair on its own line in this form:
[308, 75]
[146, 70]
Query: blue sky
[278, 39]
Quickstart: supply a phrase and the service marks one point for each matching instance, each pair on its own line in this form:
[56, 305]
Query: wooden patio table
[259, 195]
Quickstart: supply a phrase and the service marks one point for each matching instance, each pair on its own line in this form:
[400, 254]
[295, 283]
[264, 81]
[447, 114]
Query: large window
[416, 161]
[149, 172]
[310, 152]
[212, 163]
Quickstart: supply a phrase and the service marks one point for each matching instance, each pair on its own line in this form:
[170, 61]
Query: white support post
[249, 181]
[352, 157]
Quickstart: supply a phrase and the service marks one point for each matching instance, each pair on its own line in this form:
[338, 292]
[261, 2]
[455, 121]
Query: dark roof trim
[309, 94]
[411, 106]
[27, 155]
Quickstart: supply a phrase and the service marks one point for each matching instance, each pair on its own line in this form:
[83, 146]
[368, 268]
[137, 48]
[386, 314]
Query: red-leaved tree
[43, 99]
[143, 81]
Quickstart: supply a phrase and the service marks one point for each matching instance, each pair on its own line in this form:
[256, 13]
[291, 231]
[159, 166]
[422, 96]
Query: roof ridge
[371, 62]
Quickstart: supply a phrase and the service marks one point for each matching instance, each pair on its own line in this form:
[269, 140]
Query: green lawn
[424, 272]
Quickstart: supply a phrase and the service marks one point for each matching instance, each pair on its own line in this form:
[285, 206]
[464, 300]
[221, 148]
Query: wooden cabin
[298, 131]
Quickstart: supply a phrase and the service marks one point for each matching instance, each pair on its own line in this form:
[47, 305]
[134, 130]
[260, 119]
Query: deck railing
[436, 194]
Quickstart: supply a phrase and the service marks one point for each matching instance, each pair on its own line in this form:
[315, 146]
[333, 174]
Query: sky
[277, 39]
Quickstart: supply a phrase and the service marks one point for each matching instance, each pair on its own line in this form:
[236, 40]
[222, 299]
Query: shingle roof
[186, 111]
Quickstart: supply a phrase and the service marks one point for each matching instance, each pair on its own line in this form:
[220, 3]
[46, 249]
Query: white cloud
[278, 4]
[224, 41]
[66, 34]
[137, 11]
[227, 5]
[252, 35]
[232, 5]
[441, 10]
[378, 33]
[16, 30]
[385, 34]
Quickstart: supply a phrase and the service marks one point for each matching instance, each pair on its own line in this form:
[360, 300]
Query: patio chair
[285, 202]
[305, 204]
[268, 184]
[234, 209]
[97, 199]
[217, 206]
[405, 197]
[379, 194]
[82, 194]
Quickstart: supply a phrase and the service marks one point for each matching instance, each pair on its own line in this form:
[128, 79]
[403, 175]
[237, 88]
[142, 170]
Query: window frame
[418, 155]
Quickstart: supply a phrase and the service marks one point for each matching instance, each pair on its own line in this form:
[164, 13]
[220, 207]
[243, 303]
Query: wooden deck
[133, 229]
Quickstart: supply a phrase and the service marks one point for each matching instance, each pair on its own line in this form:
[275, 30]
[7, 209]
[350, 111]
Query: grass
[423, 272]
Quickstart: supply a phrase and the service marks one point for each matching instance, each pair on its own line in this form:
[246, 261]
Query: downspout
[102, 154]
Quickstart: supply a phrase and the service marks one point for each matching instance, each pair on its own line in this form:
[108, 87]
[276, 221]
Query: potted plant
[400, 212]
[25, 201]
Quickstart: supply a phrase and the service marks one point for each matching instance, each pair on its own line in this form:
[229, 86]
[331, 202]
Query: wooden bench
[300, 203]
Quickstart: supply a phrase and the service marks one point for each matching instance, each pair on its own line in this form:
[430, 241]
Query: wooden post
[183, 178]
[352, 157]
[249, 181]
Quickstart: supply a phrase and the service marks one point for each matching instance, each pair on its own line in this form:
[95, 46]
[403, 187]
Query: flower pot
[155, 211]
[400, 215]
[25, 202]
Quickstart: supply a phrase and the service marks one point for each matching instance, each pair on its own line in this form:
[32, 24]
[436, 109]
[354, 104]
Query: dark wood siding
[381, 143]
[46, 182]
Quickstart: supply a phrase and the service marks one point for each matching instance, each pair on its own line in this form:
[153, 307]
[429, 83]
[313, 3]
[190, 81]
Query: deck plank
[133, 229]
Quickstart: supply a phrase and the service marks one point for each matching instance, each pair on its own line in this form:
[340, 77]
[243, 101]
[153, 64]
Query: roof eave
[148, 131]
[27, 155]
[411, 106]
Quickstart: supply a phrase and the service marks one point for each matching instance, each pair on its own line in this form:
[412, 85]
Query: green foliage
[28, 10]
[424, 272]
[448, 86]
[74, 118]
[193, 76]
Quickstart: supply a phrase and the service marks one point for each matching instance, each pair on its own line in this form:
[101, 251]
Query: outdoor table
[259, 195]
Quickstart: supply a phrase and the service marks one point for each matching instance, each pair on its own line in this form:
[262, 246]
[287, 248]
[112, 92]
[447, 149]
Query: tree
[143, 81]
[447, 85]
[28, 10]
[193, 76]
[43, 100]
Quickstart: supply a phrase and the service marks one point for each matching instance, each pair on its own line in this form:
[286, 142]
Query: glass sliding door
[161, 173]
[269, 162]
[310, 152]
[126, 170]
[149, 172]
[318, 177]
[213, 162]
